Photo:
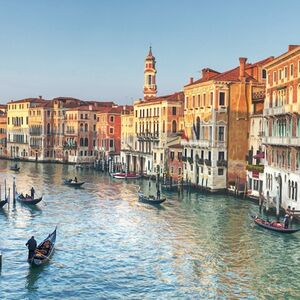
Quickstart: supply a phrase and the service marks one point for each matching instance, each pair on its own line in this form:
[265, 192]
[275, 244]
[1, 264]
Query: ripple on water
[110, 246]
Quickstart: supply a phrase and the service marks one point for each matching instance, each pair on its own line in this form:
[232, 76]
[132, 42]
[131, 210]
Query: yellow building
[18, 126]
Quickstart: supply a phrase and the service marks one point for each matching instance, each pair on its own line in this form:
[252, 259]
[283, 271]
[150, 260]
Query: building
[150, 88]
[282, 128]
[216, 115]
[109, 134]
[18, 126]
[3, 128]
[175, 163]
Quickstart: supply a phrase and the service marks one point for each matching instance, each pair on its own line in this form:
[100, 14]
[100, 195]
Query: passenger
[31, 245]
[75, 179]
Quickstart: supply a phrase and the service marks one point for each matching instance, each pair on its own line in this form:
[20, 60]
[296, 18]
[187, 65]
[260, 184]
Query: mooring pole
[0, 261]
[5, 188]
[14, 190]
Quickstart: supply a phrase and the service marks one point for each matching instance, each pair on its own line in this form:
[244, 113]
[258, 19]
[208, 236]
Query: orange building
[109, 133]
[175, 163]
[3, 129]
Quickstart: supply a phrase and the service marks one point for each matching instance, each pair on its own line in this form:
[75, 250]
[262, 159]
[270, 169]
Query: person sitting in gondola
[27, 196]
[75, 179]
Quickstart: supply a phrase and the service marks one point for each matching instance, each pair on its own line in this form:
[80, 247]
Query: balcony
[257, 168]
[276, 140]
[222, 163]
[222, 109]
[184, 158]
[190, 160]
[35, 146]
[199, 161]
[208, 162]
[68, 146]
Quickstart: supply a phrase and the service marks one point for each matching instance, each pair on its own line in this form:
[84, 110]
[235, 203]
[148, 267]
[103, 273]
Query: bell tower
[150, 88]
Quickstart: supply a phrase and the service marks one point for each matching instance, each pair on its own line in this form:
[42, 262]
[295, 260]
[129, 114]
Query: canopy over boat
[44, 250]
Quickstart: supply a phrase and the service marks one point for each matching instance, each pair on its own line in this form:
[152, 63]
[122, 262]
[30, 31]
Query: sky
[95, 49]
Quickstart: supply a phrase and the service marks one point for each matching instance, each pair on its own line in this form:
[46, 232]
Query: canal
[109, 246]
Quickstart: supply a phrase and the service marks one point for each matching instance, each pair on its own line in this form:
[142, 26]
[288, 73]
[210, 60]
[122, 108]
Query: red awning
[259, 155]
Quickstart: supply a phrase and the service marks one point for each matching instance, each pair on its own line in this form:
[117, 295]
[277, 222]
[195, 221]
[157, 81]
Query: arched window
[164, 127]
[149, 79]
[296, 191]
[86, 142]
[81, 141]
[86, 127]
[81, 127]
[174, 126]
[48, 128]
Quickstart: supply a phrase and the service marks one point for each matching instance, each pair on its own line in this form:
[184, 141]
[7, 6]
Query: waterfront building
[282, 128]
[109, 134]
[18, 126]
[216, 125]
[128, 139]
[3, 128]
[175, 163]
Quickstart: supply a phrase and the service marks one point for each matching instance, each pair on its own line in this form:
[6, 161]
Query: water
[109, 246]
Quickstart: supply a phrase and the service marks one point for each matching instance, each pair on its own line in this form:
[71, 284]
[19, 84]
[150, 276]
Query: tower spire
[150, 88]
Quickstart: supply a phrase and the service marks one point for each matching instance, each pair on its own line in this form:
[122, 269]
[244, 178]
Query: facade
[18, 126]
[109, 134]
[3, 129]
[216, 115]
[282, 129]
[157, 124]
[175, 163]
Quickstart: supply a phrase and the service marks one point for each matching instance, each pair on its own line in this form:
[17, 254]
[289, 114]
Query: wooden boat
[42, 253]
[150, 199]
[79, 167]
[3, 202]
[15, 168]
[27, 199]
[125, 175]
[275, 226]
[71, 182]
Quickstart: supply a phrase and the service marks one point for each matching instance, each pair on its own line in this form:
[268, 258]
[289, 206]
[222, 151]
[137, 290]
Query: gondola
[150, 199]
[43, 254]
[71, 182]
[14, 168]
[27, 199]
[125, 175]
[3, 202]
[275, 226]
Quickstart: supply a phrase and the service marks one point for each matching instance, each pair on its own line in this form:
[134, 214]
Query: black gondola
[150, 199]
[71, 182]
[3, 202]
[43, 252]
[275, 226]
[27, 199]
[15, 168]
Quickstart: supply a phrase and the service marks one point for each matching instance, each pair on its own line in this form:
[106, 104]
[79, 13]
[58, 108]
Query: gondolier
[31, 245]
[32, 191]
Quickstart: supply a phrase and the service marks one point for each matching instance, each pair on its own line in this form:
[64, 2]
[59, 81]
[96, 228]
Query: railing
[35, 146]
[35, 133]
[222, 163]
[257, 168]
[208, 162]
[69, 147]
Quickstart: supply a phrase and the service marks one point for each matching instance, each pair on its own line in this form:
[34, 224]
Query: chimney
[242, 66]
[40, 97]
[191, 80]
[203, 73]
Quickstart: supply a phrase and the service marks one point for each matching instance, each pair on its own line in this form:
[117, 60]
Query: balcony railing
[67, 146]
[222, 163]
[34, 146]
[257, 168]
[208, 162]
[35, 133]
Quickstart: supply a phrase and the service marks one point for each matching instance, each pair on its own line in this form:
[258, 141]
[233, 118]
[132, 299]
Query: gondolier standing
[31, 245]
[32, 191]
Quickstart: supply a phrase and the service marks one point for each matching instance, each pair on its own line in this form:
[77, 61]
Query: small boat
[15, 168]
[71, 182]
[44, 250]
[77, 167]
[150, 199]
[27, 199]
[3, 202]
[275, 226]
[125, 175]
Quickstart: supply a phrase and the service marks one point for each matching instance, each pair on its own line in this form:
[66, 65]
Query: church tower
[150, 88]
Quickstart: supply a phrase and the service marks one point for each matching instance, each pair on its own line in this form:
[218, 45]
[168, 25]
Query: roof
[31, 100]
[178, 96]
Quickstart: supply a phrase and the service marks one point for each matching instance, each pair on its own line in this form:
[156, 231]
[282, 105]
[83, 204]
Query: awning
[259, 155]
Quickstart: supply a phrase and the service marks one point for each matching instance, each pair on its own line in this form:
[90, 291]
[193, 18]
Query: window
[174, 126]
[174, 110]
[285, 72]
[172, 155]
[149, 79]
[111, 130]
[204, 99]
[221, 134]
[221, 155]
[292, 70]
[111, 143]
[199, 100]
[111, 119]
[154, 155]
[264, 74]
[211, 98]
[179, 171]
[161, 157]
[274, 76]
[222, 99]
[220, 171]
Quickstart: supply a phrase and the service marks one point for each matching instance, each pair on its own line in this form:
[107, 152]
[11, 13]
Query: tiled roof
[178, 96]
[31, 100]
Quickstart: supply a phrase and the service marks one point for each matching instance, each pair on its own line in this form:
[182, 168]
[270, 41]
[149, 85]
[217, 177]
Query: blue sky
[95, 49]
